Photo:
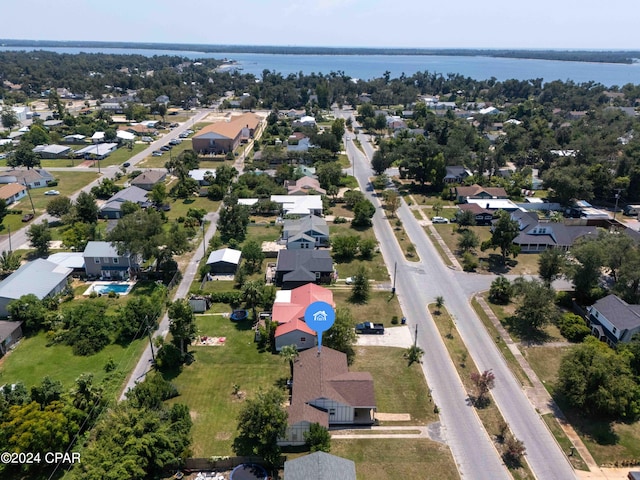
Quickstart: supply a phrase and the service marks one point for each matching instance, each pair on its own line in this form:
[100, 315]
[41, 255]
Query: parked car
[3, 156]
[52, 192]
[370, 328]
[27, 217]
[126, 164]
[439, 220]
[348, 280]
[175, 141]
[165, 148]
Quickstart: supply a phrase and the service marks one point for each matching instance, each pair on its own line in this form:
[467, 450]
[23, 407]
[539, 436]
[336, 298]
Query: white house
[613, 320]
[299, 205]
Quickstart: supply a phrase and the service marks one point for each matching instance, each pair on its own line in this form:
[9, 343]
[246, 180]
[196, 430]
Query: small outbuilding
[10, 333]
[224, 261]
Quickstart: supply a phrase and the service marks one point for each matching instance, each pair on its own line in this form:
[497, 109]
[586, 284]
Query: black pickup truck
[370, 328]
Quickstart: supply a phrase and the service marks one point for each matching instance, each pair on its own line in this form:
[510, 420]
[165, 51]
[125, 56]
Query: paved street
[418, 284]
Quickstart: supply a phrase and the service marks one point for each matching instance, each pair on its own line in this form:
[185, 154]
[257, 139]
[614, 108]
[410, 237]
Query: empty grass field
[380, 308]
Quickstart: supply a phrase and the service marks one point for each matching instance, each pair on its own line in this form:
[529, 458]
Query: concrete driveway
[393, 337]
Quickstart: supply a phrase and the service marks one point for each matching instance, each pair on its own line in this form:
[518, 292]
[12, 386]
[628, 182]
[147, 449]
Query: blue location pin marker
[319, 316]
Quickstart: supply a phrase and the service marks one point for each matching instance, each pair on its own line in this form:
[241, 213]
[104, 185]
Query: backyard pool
[104, 288]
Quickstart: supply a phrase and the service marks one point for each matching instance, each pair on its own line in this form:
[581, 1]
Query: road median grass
[489, 415]
[408, 248]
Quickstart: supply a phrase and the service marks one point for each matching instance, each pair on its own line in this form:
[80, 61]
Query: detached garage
[224, 261]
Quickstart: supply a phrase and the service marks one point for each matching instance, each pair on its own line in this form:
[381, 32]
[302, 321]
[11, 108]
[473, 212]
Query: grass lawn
[489, 261]
[376, 266]
[340, 210]
[68, 183]
[343, 160]
[407, 247]
[398, 388]
[380, 308]
[180, 206]
[121, 155]
[32, 360]
[390, 459]
[206, 385]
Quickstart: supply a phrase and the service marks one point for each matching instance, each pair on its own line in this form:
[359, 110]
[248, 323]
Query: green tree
[344, 247]
[158, 193]
[391, 201]
[86, 208]
[360, 289]
[252, 255]
[182, 324]
[47, 392]
[599, 381]
[337, 128]
[24, 156]
[465, 218]
[536, 307]
[87, 327]
[367, 248]
[504, 233]
[9, 262]
[500, 291]
[261, 422]
[8, 117]
[380, 162]
[413, 354]
[318, 438]
[29, 310]
[252, 294]
[39, 236]
[59, 206]
[233, 222]
[342, 335]
[329, 173]
[439, 304]
[550, 264]
[138, 315]
[363, 213]
[3, 209]
[586, 270]
[468, 240]
[141, 232]
[289, 353]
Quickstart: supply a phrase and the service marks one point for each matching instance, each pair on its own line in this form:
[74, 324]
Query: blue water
[105, 289]
[373, 66]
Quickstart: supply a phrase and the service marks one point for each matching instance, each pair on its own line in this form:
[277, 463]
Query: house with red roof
[288, 312]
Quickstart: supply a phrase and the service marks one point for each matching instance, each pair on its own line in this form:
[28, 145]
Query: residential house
[301, 145]
[224, 261]
[31, 177]
[99, 151]
[299, 267]
[463, 193]
[482, 215]
[494, 204]
[40, 278]
[310, 231]
[98, 137]
[306, 171]
[299, 205]
[288, 312]
[101, 259]
[76, 138]
[325, 391]
[200, 175]
[304, 121]
[489, 111]
[146, 180]
[138, 129]
[52, 151]
[613, 320]
[112, 207]
[223, 137]
[536, 236]
[10, 333]
[124, 136]
[456, 174]
[72, 260]
[12, 192]
[293, 113]
[320, 466]
[304, 186]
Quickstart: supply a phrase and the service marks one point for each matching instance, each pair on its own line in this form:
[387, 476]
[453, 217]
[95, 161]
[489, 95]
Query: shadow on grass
[527, 335]
[494, 264]
[600, 430]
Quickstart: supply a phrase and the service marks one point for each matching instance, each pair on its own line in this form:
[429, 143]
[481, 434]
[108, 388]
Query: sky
[556, 24]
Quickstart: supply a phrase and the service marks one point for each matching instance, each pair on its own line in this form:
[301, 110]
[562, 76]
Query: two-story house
[310, 231]
[613, 320]
[299, 267]
[101, 259]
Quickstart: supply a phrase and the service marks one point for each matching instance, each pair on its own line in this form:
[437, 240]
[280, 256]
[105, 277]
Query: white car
[52, 192]
[348, 280]
[439, 220]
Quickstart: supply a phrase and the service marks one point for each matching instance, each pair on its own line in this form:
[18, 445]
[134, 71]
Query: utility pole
[204, 243]
[415, 340]
[618, 190]
[395, 269]
[30, 199]
[9, 227]
[153, 355]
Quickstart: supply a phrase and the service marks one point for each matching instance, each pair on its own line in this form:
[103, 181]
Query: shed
[224, 261]
[10, 333]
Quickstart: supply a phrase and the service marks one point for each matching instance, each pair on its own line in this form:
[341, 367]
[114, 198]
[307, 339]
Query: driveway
[393, 337]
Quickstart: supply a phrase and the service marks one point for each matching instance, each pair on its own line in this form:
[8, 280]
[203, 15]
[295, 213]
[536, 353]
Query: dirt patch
[210, 341]
[193, 414]
[393, 417]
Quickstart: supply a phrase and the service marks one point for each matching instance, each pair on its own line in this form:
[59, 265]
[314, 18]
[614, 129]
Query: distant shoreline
[601, 56]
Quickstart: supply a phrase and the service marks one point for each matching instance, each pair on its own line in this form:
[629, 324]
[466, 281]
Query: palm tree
[439, 303]
[413, 354]
[251, 294]
[289, 353]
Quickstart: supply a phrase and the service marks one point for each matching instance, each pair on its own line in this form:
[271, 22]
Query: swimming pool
[105, 288]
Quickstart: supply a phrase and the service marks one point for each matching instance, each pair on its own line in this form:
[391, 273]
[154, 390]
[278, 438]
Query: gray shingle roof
[320, 466]
[306, 224]
[39, 277]
[622, 315]
[312, 260]
[553, 234]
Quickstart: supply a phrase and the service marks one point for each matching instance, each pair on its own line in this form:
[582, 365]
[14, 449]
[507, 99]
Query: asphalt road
[418, 284]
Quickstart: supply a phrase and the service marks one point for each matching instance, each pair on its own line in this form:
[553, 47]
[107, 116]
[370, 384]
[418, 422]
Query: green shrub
[573, 327]
[394, 320]
[564, 299]
[469, 262]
